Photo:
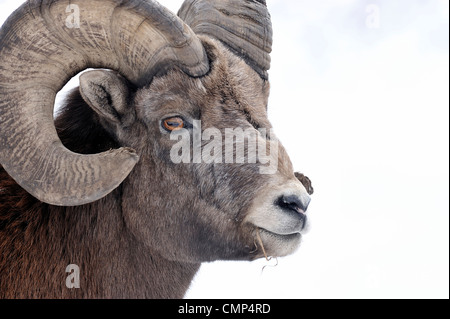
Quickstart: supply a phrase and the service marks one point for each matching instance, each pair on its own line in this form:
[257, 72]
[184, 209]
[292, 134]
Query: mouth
[280, 237]
[277, 245]
[292, 225]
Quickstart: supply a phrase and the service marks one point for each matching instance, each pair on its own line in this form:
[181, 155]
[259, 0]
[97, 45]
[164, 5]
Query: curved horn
[244, 26]
[44, 44]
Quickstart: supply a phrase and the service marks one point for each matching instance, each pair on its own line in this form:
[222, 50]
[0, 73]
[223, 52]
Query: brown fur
[148, 238]
[306, 182]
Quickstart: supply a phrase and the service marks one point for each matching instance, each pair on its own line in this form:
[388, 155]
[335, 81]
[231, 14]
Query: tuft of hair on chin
[268, 258]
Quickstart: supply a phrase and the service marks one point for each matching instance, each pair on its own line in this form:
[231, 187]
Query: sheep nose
[295, 203]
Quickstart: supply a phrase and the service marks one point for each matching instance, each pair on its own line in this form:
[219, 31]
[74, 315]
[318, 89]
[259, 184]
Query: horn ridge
[244, 26]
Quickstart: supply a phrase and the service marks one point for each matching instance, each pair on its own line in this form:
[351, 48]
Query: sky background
[360, 99]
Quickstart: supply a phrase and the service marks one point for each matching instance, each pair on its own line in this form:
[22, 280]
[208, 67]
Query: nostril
[294, 202]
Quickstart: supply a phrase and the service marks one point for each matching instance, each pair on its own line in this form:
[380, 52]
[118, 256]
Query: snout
[285, 214]
[297, 205]
[280, 217]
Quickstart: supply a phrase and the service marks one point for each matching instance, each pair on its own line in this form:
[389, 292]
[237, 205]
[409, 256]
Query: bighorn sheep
[97, 187]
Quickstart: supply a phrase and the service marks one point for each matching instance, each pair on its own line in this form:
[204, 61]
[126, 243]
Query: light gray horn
[244, 26]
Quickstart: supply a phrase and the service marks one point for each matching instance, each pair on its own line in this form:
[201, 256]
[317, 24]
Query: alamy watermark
[233, 146]
[73, 279]
[73, 19]
[373, 19]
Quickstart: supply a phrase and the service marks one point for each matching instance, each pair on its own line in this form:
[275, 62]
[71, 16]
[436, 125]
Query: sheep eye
[173, 124]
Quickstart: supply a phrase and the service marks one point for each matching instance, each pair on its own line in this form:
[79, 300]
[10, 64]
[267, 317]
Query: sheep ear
[106, 92]
[306, 182]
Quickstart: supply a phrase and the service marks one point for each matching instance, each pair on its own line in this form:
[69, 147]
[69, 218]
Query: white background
[363, 109]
